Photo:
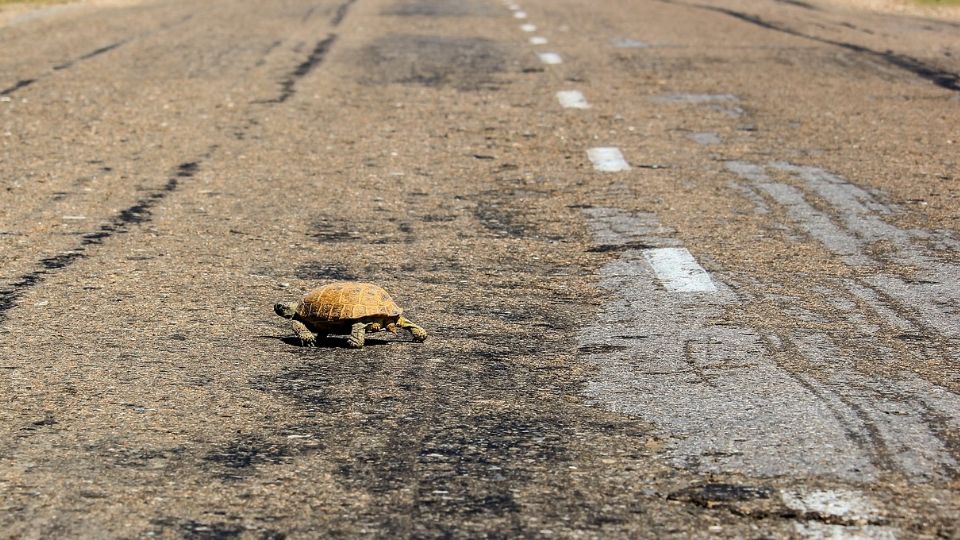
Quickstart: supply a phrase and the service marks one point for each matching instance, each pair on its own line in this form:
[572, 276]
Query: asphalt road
[689, 269]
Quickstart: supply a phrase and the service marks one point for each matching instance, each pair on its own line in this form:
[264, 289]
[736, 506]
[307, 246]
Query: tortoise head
[288, 310]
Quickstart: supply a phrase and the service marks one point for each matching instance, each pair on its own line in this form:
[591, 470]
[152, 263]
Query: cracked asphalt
[711, 289]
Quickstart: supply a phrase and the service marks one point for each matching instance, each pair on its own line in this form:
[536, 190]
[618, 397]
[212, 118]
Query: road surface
[690, 268]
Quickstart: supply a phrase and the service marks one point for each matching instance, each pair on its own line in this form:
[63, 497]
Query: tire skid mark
[341, 12]
[309, 13]
[903, 419]
[860, 428]
[836, 410]
[93, 53]
[266, 52]
[138, 213]
[718, 392]
[893, 314]
[944, 425]
[851, 228]
[940, 77]
[316, 57]
[722, 394]
[903, 434]
[23, 83]
[59, 67]
[799, 4]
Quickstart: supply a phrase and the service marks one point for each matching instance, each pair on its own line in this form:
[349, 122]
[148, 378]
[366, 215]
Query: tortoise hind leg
[357, 333]
[419, 334]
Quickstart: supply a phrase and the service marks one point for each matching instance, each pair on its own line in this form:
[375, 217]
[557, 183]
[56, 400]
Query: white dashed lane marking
[678, 271]
[550, 58]
[538, 40]
[627, 43]
[528, 28]
[520, 14]
[715, 391]
[705, 138]
[607, 159]
[572, 99]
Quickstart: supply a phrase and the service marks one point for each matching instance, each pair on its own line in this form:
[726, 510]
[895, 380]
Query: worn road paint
[550, 58]
[678, 271]
[704, 138]
[607, 159]
[843, 504]
[896, 420]
[528, 27]
[627, 43]
[848, 221]
[538, 40]
[847, 513]
[715, 392]
[695, 98]
[723, 394]
[572, 99]
[899, 420]
[818, 530]
[519, 15]
[727, 104]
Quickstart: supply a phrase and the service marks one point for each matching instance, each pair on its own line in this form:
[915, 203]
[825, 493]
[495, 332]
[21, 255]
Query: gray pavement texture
[748, 328]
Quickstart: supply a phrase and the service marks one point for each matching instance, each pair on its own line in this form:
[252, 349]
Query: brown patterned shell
[347, 301]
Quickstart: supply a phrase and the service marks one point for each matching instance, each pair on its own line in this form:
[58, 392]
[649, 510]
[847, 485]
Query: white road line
[528, 28]
[550, 58]
[840, 503]
[627, 43]
[572, 99]
[678, 271]
[716, 394]
[695, 98]
[519, 15]
[538, 40]
[607, 159]
[705, 138]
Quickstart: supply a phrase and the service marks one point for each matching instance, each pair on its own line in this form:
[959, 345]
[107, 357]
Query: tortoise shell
[345, 301]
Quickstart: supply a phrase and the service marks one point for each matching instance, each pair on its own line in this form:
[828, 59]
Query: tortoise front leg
[419, 334]
[307, 337]
[357, 334]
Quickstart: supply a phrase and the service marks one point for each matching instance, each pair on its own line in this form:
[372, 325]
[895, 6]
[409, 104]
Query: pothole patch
[463, 63]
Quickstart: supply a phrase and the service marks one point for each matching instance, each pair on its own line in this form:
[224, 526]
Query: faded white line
[550, 58]
[678, 271]
[817, 530]
[519, 14]
[538, 40]
[844, 504]
[607, 159]
[528, 28]
[717, 395]
[723, 103]
[695, 98]
[893, 419]
[627, 43]
[572, 99]
[705, 138]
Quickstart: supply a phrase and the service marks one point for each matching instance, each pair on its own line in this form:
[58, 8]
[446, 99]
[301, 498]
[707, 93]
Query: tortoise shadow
[329, 342]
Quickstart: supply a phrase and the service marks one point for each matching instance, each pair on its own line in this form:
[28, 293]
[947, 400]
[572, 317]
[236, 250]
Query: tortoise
[346, 307]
